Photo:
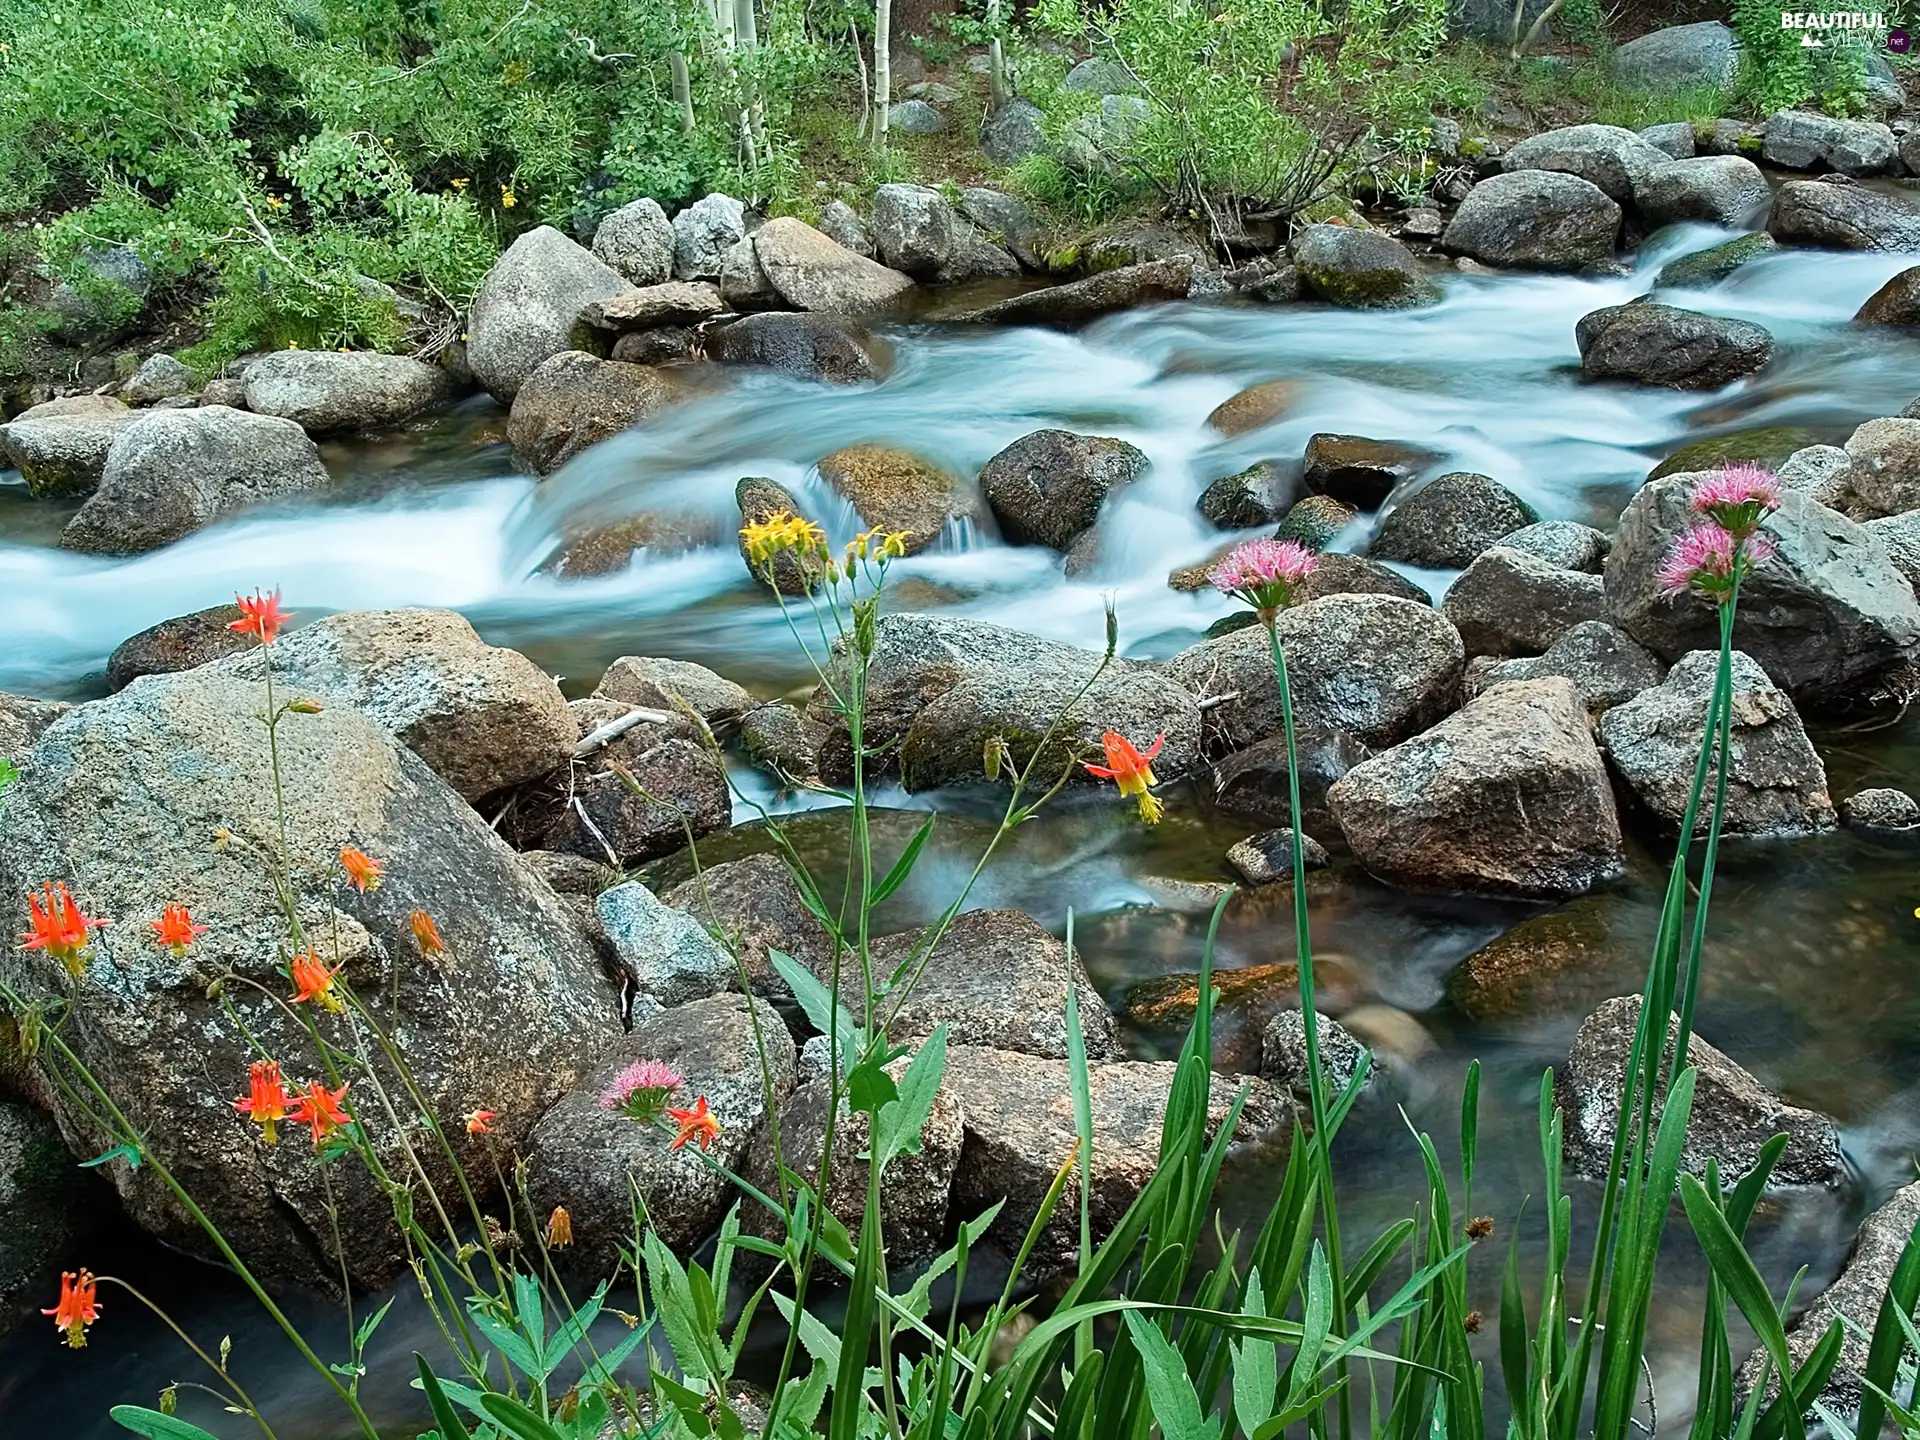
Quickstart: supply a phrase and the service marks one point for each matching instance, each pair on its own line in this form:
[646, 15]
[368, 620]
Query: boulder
[1776, 786]
[108, 301]
[64, 451]
[1267, 858]
[173, 471]
[1674, 138]
[1718, 189]
[842, 224]
[811, 272]
[1613, 158]
[1283, 1055]
[1255, 407]
[1809, 468]
[662, 684]
[1101, 76]
[893, 489]
[760, 500]
[1895, 303]
[1359, 471]
[160, 377]
[1099, 142]
[648, 307]
[636, 241]
[666, 953]
[1767, 446]
[1559, 963]
[1563, 544]
[1450, 520]
[1715, 263]
[1361, 269]
[682, 794]
[744, 284]
[813, 347]
[575, 400]
[530, 307]
[703, 233]
[177, 644]
[915, 117]
[1803, 140]
[1376, 667]
[1535, 220]
[1656, 344]
[995, 979]
[1842, 217]
[782, 741]
[1882, 477]
[1265, 279]
[1880, 811]
[669, 345]
[1511, 602]
[1315, 521]
[1258, 495]
[106, 782]
[939, 688]
[1899, 536]
[1678, 58]
[592, 1160]
[1079, 301]
[23, 720]
[1829, 618]
[1018, 1113]
[1340, 574]
[756, 906]
[327, 390]
[1508, 796]
[1013, 132]
[1047, 488]
[1606, 664]
[1253, 782]
[1004, 218]
[1733, 1113]
[49, 1202]
[913, 229]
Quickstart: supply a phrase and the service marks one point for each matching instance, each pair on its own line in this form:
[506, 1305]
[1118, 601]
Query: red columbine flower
[175, 930]
[480, 1122]
[363, 871]
[57, 925]
[698, 1124]
[1132, 771]
[426, 934]
[319, 1108]
[1710, 561]
[1738, 499]
[641, 1091]
[1264, 572]
[79, 1307]
[312, 980]
[260, 617]
[266, 1101]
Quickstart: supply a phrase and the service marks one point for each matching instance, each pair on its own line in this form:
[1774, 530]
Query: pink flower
[1738, 499]
[1710, 560]
[641, 1091]
[1264, 572]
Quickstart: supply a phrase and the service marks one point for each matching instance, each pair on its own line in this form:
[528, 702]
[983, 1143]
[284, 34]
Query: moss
[1473, 149]
[1749, 144]
[1384, 288]
[1769, 446]
[1707, 267]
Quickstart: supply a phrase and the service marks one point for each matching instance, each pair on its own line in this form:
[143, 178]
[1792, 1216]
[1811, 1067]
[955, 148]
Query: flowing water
[1812, 977]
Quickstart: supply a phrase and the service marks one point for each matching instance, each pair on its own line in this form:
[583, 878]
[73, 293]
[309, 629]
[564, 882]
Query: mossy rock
[1562, 962]
[1315, 521]
[1769, 446]
[1712, 265]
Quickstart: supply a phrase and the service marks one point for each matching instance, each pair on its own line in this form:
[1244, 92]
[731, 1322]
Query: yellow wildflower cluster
[765, 539]
[874, 545]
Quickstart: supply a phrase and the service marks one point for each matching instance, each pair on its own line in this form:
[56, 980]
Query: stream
[1813, 972]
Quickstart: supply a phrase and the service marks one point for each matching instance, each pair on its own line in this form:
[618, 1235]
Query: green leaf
[1169, 1388]
[1316, 1323]
[902, 1122]
[870, 1087]
[1883, 1352]
[128, 1153]
[1256, 1378]
[1469, 1129]
[1294, 1414]
[516, 1419]
[673, 1298]
[368, 1326]
[1379, 1255]
[155, 1426]
[903, 867]
[444, 1419]
[1514, 1367]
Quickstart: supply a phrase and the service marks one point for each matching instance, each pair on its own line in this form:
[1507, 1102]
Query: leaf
[368, 1326]
[1169, 1388]
[1256, 1379]
[903, 867]
[1316, 1323]
[870, 1087]
[902, 1122]
[816, 1002]
[517, 1419]
[1469, 1128]
[673, 1298]
[445, 1420]
[155, 1426]
[1883, 1352]
[128, 1153]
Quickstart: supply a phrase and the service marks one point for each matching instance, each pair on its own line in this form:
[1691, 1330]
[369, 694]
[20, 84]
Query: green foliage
[1778, 72]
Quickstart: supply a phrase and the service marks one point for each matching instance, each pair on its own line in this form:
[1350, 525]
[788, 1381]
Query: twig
[606, 734]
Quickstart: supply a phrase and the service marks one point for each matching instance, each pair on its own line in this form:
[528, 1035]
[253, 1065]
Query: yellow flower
[460, 182]
[507, 198]
[764, 539]
[872, 544]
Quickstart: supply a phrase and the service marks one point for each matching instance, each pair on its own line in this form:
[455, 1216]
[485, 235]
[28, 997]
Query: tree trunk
[682, 88]
[999, 92]
[882, 69]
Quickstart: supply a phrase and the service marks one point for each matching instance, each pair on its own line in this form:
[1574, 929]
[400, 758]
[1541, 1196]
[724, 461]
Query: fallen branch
[606, 734]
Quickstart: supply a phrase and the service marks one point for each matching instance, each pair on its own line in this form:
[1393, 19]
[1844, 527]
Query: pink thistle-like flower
[641, 1091]
[1738, 498]
[1264, 572]
[1712, 561]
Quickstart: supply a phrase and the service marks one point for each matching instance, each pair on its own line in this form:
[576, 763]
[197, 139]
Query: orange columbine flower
[363, 871]
[57, 925]
[312, 980]
[79, 1307]
[1132, 771]
[267, 1099]
[426, 934]
[559, 1229]
[175, 930]
[480, 1122]
[319, 1108]
[698, 1124]
[260, 617]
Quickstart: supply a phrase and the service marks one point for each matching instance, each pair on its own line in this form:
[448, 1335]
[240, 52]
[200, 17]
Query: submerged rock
[893, 489]
[1448, 521]
[1047, 488]
[1715, 263]
[1079, 301]
[1360, 471]
[1256, 406]
[813, 347]
[531, 306]
[1553, 964]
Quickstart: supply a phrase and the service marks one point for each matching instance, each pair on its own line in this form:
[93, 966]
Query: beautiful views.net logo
[1845, 27]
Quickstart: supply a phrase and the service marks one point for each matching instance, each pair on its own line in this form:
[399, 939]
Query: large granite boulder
[811, 272]
[1656, 344]
[658, 683]
[60, 447]
[1449, 521]
[1510, 601]
[1604, 662]
[574, 400]
[1717, 189]
[1678, 58]
[327, 390]
[1895, 303]
[1804, 140]
[1507, 796]
[1882, 477]
[704, 232]
[1535, 220]
[1842, 217]
[637, 241]
[160, 771]
[812, 347]
[531, 306]
[1361, 269]
[894, 490]
[1609, 156]
[1047, 488]
[1015, 131]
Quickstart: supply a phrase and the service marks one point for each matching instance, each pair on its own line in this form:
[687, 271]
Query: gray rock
[49, 1202]
[1101, 76]
[1730, 137]
[592, 1160]
[177, 644]
[657, 683]
[1047, 488]
[811, 272]
[1079, 301]
[1423, 222]
[327, 390]
[1253, 782]
[61, 447]
[1677, 58]
[896, 491]
[1283, 1055]
[1099, 143]
[1265, 279]
[755, 908]
[1358, 470]
[913, 228]
[106, 782]
[1777, 785]
[760, 500]
[779, 739]
[575, 400]
[1447, 522]
[1002, 217]
[160, 377]
[530, 307]
[1810, 468]
[1675, 138]
[1829, 617]
[1880, 809]
[1511, 602]
[1719, 189]
[666, 953]
[1733, 1113]
[1895, 303]
[106, 303]
[1316, 521]
[933, 92]
[1607, 664]
[1013, 132]
[1802, 140]
[1255, 407]
[637, 241]
[1883, 468]
[1563, 544]
[647, 307]
[1842, 217]
[1258, 495]
[1613, 158]
[24, 720]
[1654, 344]
[744, 285]
[1535, 220]
[915, 117]
[703, 233]
[230, 391]
[1361, 269]
[1714, 264]
[1899, 535]
[1267, 858]
[842, 224]
[1376, 667]
[173, 471]
[647, 793]
[975, 257]
[813, 347]
[1506, 797]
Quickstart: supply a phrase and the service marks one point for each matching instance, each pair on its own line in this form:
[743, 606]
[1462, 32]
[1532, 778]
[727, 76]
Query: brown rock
[177, 644]
[647, 307]
[576, 400]
[1360, 471]
[893, 489]
[1255, 406]
[809, 271]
